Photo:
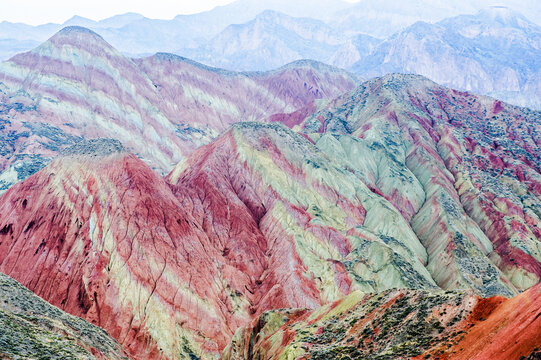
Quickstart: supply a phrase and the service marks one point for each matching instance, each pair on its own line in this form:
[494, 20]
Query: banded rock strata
[76, 86]
[256, 220]
[398, 184]
[462, 169]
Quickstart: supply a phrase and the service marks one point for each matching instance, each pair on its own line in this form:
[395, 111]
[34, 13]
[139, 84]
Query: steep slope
[270, 40]
[104, 238]
[261, 218]
[462, 169]
[256, 220]
[495, 52]
[398, 324]
[309, 210]
[77, 86]
[31, 328]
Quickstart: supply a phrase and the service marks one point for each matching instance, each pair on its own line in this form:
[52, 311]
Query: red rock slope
[105, 238]
[256, 220]
[398, 324]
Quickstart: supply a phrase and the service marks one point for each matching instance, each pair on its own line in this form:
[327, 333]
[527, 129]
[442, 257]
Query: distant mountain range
[305, 213]
[135, 34]
[496, 51]
[270, 40]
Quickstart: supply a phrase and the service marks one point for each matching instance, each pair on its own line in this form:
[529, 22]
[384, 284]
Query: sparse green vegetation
[30, 328]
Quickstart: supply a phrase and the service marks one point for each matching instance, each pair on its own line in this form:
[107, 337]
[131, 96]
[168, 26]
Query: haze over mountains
[300, 211]
[365, 38]
[333, 187]
[495, 52]
[470, 52]
[379, 19]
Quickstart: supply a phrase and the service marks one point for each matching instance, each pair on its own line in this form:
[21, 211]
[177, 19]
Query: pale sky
[36, 12]
[39, 11]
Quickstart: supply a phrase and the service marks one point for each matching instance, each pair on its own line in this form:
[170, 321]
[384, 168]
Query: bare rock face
[76, 86]
[463, 170]
[32, 328]
[397, 324]
[400, 184]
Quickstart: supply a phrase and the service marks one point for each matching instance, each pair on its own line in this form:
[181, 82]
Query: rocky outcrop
[397, 324]
[32, 328]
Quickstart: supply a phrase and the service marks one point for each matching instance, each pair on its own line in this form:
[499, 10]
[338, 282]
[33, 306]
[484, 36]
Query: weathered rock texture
[463, 170]
[398, 324]
[30, 328]
[258, 219]
[400, 183]
[77, 86]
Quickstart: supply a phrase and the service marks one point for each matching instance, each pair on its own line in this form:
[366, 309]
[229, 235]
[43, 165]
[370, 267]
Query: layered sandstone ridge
[258, 219]
[399, 184]
[76, 86]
